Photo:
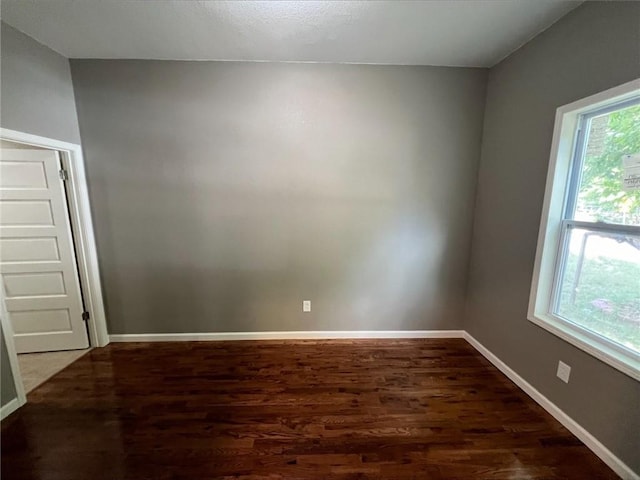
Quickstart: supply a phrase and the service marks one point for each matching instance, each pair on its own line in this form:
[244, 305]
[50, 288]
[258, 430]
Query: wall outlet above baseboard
[564, 371]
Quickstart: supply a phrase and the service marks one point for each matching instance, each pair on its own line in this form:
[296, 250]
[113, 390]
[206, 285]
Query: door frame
[85, 248]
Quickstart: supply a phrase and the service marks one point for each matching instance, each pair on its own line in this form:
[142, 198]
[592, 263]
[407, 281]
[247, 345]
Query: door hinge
[64, 176]
[85, 316]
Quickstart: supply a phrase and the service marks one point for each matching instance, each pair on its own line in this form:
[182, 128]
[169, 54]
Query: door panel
[22, 175]
[37, 261]
[33, 321]
[34, 284]
[17, 251]
[25, 212]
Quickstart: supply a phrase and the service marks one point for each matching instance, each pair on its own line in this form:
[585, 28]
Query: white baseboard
[9, 408]
[302, 335]
[569, 423]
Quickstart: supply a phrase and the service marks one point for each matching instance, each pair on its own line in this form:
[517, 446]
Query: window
[586, 285]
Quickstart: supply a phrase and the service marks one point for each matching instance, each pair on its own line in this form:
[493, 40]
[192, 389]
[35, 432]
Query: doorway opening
[52, 310]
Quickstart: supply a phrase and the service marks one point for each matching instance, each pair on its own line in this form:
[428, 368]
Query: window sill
[611, 356]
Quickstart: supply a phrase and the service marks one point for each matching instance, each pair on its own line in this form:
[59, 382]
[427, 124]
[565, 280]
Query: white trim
[617, 465]
[82, 224]
[9, 408]
[549, 236]
[300, 335]
[87, 254]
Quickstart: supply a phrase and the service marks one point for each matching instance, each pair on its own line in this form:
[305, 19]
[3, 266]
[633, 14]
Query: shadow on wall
[244, 282]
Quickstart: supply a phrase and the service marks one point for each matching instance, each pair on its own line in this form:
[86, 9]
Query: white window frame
[553, 225]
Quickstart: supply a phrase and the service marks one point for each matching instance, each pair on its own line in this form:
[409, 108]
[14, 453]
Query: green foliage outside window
[601, 187]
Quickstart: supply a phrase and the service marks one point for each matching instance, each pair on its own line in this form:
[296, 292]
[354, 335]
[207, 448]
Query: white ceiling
[475, 33]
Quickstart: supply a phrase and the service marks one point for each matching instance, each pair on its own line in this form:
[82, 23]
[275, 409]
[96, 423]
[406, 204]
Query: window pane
[601, 196]
[600, 288]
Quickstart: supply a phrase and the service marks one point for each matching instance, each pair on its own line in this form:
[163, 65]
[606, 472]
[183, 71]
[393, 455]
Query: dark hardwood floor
[393, 409]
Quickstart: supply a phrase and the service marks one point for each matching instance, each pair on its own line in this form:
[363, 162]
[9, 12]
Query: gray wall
[592, 49]
[225, 194]
[36, 94]
[7, 387]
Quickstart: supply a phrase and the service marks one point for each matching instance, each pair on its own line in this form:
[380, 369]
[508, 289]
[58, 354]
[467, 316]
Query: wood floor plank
[340, 409]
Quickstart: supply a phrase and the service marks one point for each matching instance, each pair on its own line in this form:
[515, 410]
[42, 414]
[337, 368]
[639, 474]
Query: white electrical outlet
[306, 305]
[564, 371]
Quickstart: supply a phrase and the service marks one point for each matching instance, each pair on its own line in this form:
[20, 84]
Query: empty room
[303, 239]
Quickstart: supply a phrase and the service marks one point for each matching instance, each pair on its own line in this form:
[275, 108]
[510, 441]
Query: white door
[37, 260]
